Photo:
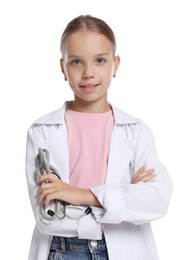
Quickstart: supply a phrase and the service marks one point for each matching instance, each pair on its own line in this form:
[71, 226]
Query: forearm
[56, 189]
[88, 198]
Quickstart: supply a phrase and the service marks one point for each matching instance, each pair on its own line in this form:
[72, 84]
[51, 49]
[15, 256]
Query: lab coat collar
[57, 117]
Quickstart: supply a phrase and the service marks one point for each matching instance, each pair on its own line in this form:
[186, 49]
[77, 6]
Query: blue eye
[100, 60]
[76, 62]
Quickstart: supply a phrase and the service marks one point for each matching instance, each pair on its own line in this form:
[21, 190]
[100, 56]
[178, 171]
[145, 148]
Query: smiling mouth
[89, 86]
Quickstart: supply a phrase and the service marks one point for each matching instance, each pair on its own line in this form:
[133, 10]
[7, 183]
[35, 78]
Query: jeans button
[93, 243]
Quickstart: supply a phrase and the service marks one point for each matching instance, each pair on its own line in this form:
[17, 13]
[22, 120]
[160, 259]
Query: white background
[155, 82]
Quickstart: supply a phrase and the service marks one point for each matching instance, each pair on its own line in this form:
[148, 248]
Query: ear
[62, 68]
[116, 65]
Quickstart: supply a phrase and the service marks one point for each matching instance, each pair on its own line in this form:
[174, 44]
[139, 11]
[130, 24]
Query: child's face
[89, 65]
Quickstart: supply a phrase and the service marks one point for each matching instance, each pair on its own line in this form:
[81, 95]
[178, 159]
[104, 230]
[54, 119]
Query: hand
[56, 189]
[143, 175]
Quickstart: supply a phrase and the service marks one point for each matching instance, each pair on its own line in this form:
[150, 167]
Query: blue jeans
[63, 248]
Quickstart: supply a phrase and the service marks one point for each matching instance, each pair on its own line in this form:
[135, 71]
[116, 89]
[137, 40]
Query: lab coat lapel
[120, 155]
[59, 152]
[56, 140]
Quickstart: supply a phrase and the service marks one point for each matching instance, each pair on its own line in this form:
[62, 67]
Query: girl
[96, 148]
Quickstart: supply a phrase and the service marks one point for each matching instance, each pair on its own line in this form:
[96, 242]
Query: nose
[88, 72]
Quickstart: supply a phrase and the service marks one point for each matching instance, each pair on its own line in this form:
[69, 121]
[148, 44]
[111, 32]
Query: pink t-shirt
[89, 137]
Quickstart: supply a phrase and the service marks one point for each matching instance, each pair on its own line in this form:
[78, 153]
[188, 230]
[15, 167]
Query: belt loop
[63, 244]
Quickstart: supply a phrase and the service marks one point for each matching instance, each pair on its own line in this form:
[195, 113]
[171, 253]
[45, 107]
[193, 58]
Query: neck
[99, 106]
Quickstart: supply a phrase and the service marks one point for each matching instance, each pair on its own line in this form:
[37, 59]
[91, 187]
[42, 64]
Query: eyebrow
[97, 55]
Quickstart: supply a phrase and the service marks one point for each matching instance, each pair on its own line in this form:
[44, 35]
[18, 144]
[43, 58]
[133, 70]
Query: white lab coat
[127, 208]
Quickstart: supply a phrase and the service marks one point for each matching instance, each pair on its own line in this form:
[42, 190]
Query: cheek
[73, 80]
[71, 76]
[73, 73]
[108, 73]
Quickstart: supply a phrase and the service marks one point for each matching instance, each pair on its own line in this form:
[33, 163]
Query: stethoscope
[59, 211]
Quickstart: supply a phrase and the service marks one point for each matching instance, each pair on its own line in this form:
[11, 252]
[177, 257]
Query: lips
[89, 86]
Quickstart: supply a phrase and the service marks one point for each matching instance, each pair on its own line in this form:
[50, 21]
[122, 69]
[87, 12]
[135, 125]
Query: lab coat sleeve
[142, 202]
[63, 227]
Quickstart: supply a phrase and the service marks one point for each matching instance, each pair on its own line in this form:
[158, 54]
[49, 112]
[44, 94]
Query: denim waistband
[62, 244]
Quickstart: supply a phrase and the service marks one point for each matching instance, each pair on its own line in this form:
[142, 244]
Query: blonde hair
[90, 23]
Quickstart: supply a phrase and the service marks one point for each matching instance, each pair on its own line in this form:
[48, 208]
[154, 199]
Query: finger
[50, 197]
[149, 171]
[44, 186]
[142, 169]
[148, 178]
[145, 173]
[48, 177]
[142, 176]
[135, 176]
[141, 173]
[44, 193]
